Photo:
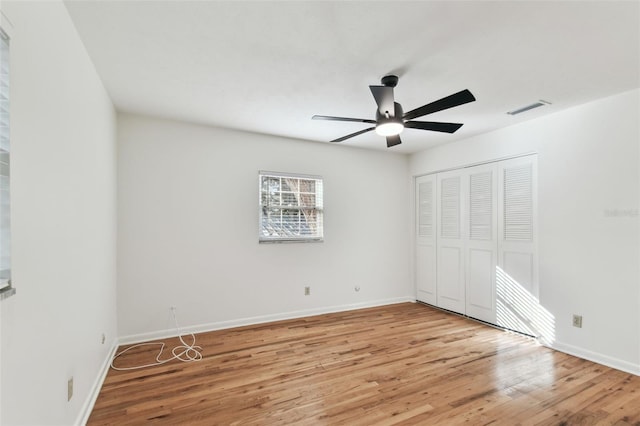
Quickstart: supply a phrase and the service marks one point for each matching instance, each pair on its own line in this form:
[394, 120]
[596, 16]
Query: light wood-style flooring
[404, 364]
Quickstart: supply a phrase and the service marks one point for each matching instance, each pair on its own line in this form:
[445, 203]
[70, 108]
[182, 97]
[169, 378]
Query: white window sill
[7, 292]
[290, 241]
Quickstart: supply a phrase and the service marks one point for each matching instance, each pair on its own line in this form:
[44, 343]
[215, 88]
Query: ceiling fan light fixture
[390, 128]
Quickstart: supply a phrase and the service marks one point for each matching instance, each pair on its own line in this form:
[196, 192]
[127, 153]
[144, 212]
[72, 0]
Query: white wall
[588, 189]
[188, 228]
[63, 183]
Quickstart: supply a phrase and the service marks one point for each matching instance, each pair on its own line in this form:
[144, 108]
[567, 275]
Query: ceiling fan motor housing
[389, 80]
[388, 124]
[396, 116]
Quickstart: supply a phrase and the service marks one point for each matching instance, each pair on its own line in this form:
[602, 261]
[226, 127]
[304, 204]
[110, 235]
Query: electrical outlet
[70, 389]
[307, 291]
[577, 321]
[357, 288]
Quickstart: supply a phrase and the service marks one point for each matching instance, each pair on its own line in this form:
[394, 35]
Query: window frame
[6, 287]
[317, 207]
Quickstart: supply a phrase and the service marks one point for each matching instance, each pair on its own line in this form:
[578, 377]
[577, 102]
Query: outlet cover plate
[70, 389]
[577, 321]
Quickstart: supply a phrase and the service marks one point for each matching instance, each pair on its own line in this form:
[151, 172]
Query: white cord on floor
[184, 353]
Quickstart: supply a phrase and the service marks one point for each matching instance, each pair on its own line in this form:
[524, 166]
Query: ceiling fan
[391, 120]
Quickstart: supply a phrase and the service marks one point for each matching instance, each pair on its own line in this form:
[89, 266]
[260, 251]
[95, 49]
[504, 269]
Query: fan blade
[328, 117]
[393, 141]
[353, 134]
[384, 98]
[433, 125]
[450, 101]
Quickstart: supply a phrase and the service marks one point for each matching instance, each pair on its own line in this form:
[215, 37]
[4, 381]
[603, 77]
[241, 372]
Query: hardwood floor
[405, 364]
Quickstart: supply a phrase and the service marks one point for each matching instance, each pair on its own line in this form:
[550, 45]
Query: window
[290, 207]
[5, 220]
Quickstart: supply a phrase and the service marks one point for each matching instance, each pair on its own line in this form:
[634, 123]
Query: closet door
[450, 241]
[517, 272]
[426, 239]
[481, 250]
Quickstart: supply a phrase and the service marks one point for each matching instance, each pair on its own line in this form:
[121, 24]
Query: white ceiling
[268, 66]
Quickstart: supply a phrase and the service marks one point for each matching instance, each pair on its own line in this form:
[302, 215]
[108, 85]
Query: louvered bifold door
[482, 243]
[517, 271]
[450, 240]
[426, 239]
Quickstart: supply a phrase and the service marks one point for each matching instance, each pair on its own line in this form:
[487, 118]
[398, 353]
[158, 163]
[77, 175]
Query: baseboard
[90, 401]
[221, 325]
[618, 364]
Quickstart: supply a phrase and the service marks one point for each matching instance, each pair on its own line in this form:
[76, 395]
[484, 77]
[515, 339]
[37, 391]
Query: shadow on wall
[517, 309]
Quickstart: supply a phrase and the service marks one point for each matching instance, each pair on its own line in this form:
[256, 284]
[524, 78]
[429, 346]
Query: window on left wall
[291, 207]
[6, 289]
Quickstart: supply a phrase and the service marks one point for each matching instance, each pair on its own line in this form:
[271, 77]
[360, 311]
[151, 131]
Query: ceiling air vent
[529, 107]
